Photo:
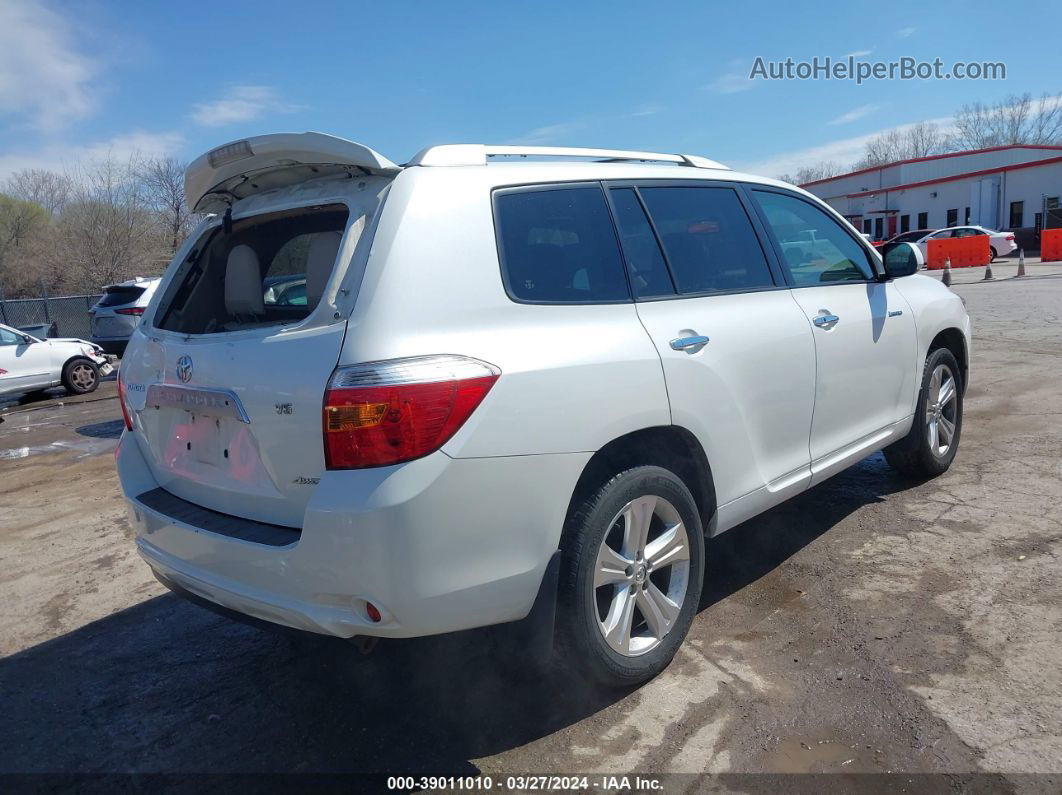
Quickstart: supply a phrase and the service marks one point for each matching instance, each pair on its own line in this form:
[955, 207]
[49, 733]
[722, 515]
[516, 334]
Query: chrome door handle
[687, 343]
[826, 321]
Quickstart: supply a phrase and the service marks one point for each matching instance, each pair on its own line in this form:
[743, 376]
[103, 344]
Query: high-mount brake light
[229, 153]
[388, 412]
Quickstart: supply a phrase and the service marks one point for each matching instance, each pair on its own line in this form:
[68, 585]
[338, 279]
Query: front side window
[8, 337]
[558, 246]
[816, 249]
[708, 238]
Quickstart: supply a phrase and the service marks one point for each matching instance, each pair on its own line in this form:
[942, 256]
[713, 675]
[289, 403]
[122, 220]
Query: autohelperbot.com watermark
[862, 71]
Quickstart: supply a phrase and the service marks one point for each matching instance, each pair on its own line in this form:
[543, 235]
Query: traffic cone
[988, 273]
[1021, 262]
[947, 272]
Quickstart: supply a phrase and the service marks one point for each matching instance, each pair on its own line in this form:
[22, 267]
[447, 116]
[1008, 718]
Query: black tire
[992, 254]
[915, 456]
[81, 376]
[580, 638]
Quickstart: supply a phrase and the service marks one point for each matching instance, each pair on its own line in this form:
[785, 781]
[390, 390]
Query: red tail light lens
[121, 402]
[135, 310]
[1010, 237]
[382, 413]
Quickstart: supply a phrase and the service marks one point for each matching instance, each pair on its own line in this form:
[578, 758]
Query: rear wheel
[631, 573]
[81, 376]
[992, 252]
[930, 447]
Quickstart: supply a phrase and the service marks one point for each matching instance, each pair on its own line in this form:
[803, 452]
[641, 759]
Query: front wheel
[631, 573]
[930, 447]
[81, 376]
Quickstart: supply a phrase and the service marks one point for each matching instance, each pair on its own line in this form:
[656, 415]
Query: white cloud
[859, 54]
[731, 83]
[905, 33]
[647, 110]
[44, 79]
[240, 104]
[549, 133]
[855, 113]
[845, 151]
[59, 157]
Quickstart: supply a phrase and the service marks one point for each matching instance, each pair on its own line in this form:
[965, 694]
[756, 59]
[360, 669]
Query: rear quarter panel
[573, 377]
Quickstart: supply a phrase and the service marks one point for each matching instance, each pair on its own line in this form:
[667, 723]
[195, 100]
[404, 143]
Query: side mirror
[27, 339]
[901, 259]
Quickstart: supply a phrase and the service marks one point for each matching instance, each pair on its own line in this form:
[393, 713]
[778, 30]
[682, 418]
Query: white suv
[525, 385]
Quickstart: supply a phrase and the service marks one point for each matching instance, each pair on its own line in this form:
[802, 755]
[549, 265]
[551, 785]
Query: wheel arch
[954, 340]
[669, 446]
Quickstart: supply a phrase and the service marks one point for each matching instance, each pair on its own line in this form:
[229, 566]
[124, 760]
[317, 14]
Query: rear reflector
[121, 402]
[136, 310]
[382, 413]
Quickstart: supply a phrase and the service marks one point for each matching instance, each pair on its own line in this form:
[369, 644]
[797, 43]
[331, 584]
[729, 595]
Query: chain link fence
[69, 313]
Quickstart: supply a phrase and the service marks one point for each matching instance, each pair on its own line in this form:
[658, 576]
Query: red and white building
[1004, 187]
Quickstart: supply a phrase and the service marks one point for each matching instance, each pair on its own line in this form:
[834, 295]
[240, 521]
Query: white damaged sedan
[28, 364]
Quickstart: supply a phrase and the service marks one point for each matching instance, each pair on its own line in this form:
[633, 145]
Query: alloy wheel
[941, 408]
[641, 575]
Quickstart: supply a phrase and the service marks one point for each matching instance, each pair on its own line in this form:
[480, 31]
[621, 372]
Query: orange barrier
[1050, 245]
[963, 251]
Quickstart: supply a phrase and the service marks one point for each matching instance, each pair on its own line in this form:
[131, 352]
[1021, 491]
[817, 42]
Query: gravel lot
[867, 626]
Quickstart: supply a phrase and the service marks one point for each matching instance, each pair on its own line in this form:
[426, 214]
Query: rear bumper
[112, 345]
[437, 545]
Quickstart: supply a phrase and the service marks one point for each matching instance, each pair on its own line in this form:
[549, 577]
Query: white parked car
[28, 364]
[525, 386]
[1000, 243]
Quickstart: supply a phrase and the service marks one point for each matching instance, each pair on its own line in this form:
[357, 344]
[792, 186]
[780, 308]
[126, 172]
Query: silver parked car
[119, 309]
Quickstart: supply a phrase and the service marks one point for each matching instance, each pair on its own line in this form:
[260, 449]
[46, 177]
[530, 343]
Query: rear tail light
[1010, 237]
[382, 413]
[121, 402]
[136, 310]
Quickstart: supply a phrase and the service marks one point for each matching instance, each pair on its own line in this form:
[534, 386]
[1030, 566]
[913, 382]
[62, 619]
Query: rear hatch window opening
[120, 295]
[269, 270]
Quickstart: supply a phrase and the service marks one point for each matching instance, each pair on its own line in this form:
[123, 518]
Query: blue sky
[81, 79]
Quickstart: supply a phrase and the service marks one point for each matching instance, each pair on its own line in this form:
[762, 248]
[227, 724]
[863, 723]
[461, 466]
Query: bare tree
[1014, 120]
[20, 223]
[40, 186]
[163, 181]
[918, 140]
[106, 232]
[804, 174]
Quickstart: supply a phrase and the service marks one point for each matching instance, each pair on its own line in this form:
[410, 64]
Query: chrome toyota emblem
[184, 369]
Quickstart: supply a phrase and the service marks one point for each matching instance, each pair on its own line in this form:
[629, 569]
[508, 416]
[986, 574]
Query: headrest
[319, 261]
[243, 283]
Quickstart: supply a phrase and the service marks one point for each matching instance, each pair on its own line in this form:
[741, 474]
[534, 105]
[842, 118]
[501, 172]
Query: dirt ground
[867, 626]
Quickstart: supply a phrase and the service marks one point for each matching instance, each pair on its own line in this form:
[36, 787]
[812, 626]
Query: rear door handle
[688, 343]
[826, 321]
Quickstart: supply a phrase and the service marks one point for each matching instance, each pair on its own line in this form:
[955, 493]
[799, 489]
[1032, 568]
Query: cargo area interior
[267, 270]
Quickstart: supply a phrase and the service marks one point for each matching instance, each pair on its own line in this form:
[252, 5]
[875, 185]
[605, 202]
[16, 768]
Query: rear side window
[708, 238]
[649, 276]
[269, 270]
[558, 246]
[117, 296]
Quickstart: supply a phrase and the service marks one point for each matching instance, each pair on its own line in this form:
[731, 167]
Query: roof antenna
[226, 221]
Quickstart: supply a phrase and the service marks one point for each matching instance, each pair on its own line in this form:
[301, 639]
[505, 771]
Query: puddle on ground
[822, 756]
[84, 448]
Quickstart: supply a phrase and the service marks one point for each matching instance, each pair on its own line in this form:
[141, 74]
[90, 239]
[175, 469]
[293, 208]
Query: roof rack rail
[481, 155]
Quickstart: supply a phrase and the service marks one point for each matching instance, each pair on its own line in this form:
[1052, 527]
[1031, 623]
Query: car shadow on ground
[166, 686]
[110, 429]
